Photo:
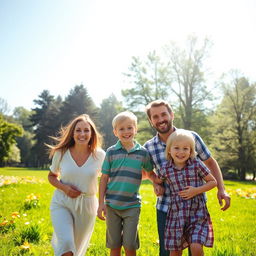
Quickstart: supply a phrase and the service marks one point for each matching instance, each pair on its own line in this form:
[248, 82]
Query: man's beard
[166, 130]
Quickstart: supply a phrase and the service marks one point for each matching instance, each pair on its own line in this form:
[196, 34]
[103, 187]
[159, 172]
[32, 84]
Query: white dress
[73, 218]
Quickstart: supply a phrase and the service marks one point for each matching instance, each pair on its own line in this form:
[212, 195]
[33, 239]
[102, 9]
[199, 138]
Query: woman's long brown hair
[65, 139]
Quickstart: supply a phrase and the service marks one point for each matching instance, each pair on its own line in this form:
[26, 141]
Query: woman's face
[82, 133]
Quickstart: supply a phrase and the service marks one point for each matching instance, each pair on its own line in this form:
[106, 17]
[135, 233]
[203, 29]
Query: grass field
[25, 226]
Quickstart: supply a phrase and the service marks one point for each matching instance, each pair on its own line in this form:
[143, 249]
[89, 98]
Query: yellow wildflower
[15, 215]
[25, 246]
[4, 223]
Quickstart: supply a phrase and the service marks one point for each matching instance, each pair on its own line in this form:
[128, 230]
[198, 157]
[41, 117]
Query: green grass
[234, 229]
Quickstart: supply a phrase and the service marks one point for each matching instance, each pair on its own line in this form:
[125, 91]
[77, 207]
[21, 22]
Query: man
[161, 118]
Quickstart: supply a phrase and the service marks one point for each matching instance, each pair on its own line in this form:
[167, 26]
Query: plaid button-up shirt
[156, 148]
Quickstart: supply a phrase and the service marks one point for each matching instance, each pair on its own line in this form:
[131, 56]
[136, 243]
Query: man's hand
[212, 164]
[223, 195]
[101, 213]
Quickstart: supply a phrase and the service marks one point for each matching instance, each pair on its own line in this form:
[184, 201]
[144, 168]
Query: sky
[57, 44]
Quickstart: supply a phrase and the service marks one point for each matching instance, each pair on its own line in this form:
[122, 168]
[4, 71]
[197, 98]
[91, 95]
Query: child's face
[180, 152]
[125, 131]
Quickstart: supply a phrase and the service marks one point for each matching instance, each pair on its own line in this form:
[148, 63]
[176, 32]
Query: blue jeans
[161, 219]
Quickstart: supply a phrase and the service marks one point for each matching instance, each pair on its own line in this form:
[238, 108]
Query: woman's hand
[71, 191]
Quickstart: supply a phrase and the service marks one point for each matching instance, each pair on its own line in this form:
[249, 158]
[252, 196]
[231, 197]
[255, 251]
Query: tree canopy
[235, 125]
[8, 134]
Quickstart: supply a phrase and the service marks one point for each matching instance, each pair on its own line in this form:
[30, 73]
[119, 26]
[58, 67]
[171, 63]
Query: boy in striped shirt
[119, 198]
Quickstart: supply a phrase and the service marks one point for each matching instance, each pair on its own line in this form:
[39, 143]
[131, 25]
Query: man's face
[161, 119]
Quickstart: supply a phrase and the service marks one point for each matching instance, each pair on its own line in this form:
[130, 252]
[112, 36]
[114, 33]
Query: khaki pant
[122, 228]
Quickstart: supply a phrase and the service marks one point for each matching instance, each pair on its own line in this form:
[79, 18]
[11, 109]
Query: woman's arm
[69, 190]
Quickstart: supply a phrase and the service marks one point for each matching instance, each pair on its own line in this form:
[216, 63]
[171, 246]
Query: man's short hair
[157, 103]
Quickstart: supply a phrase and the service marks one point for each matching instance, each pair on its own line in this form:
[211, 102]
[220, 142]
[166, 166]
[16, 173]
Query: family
[178, 163]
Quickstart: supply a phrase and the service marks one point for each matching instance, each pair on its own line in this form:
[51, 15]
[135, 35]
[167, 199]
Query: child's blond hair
[178, 135]
[121, 117]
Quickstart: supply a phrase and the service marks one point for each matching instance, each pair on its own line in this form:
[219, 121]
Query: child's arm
[144, 175]
[190, 191]
[102, 191]
[153, 177]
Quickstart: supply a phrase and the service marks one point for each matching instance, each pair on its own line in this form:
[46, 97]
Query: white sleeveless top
[84, 177]
[83, 208]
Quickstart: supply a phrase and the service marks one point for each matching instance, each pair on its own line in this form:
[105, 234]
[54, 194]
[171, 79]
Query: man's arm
[212, 164]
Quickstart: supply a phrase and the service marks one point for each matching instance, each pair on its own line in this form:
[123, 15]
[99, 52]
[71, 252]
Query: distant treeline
[226, 122]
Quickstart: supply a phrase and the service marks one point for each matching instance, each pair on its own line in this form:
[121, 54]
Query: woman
[76, 159]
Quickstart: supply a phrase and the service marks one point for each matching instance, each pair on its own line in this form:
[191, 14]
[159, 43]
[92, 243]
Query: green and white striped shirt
[125, 174]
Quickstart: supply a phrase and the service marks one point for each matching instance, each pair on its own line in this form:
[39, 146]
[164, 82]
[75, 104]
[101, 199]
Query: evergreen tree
[45, 123]
[76, 103]
[235, 125]
[108, 109]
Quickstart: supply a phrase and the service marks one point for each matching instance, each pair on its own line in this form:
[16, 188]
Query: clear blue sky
[57, 44]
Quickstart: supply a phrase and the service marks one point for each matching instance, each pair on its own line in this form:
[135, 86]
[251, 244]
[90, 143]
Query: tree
[22, 116]
[45, 123]
[76, 103]
[145, 130]
[108, 109]
[4, 108]
[52, 113]
[13, 155]
[235, 124]
[8, 134]
[26, 142]
[187, 76]
[149, 82]
[25, 145]
[178, 76]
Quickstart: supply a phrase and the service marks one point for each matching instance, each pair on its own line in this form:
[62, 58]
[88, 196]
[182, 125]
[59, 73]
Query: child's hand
[158, 189]
[188, 193]
[102, 209]
[158, 180]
